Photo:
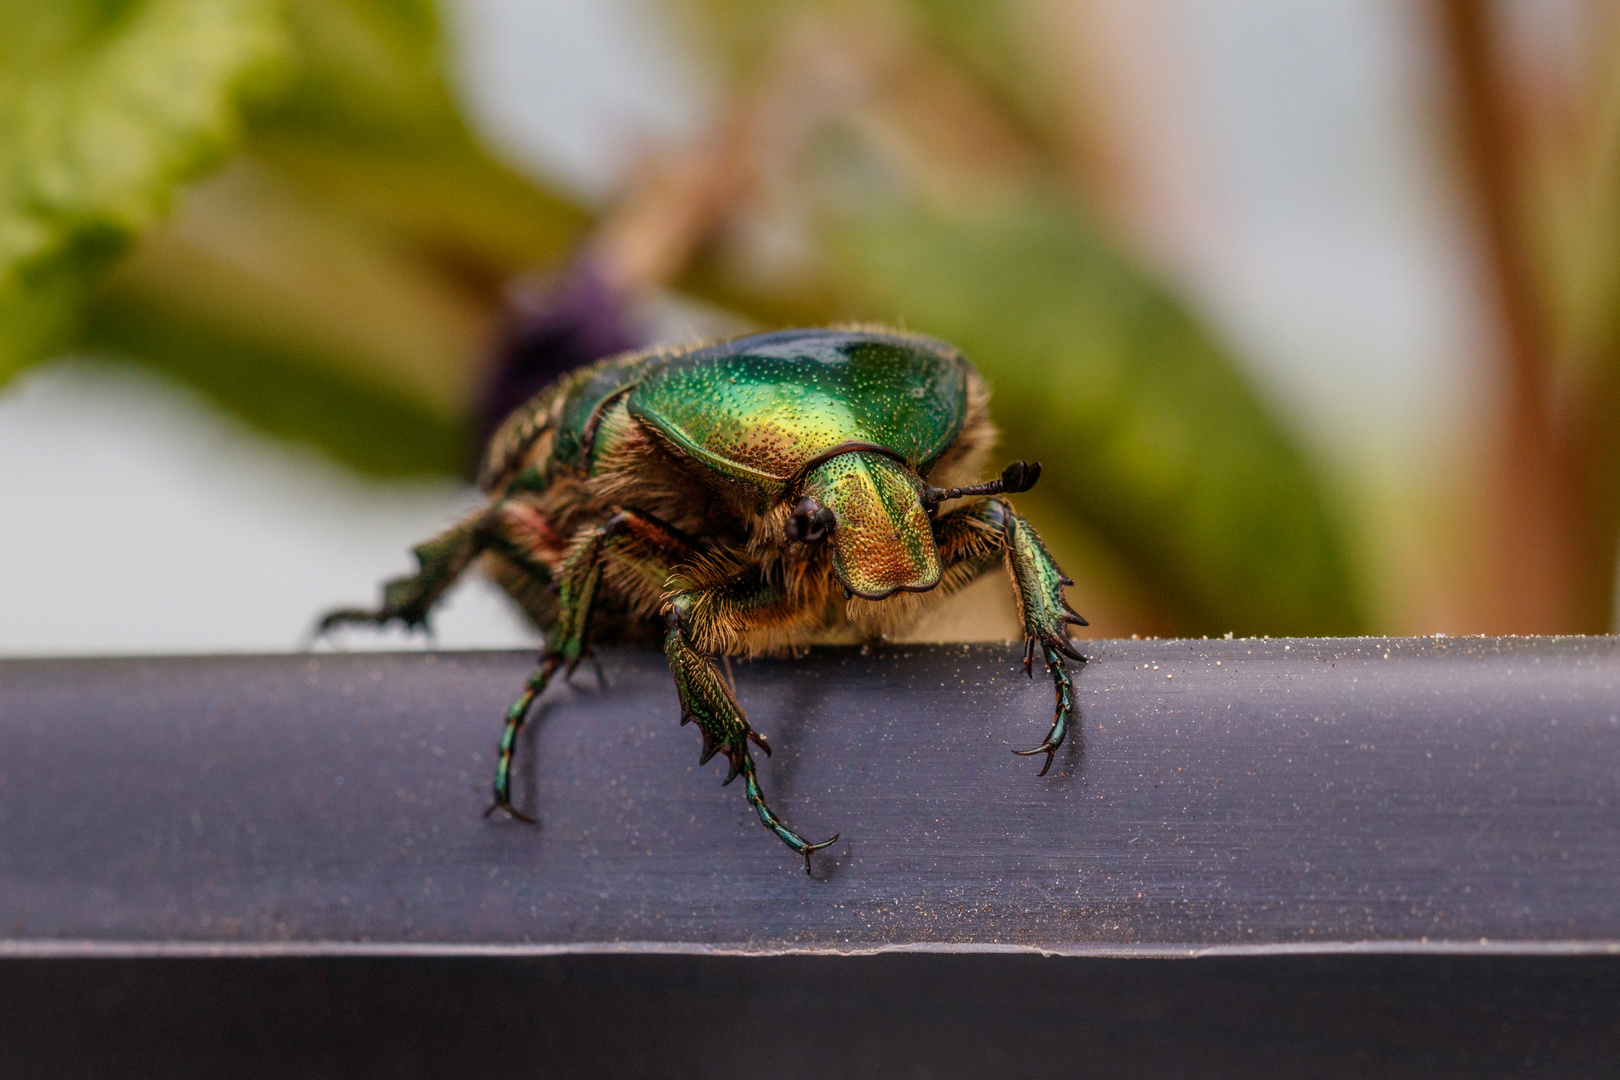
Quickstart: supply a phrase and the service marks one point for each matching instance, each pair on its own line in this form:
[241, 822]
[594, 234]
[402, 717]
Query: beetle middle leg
[708, 701]
[970, 539]
[639, 551]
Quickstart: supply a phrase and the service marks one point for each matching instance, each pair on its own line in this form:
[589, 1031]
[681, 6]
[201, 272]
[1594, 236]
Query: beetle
[751, 496]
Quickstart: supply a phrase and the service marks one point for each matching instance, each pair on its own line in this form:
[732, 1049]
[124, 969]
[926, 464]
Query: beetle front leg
[968, 537]
[708, 701]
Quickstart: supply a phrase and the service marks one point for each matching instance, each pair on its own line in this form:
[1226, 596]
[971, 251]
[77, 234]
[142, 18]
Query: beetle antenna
[1019, 476]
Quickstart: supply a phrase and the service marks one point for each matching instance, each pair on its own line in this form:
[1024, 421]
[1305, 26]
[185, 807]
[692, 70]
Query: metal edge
[61, 949]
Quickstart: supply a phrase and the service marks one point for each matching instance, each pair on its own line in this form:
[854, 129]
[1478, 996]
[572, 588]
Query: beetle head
[869, 507]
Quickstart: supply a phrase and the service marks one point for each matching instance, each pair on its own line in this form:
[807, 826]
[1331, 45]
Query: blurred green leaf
[104, 108]
[1148, 434]
[261, 375]
[335, 285]
[370, 75]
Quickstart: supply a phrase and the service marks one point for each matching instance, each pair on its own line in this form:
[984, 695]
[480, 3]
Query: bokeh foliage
[1155, 446]
[334, 268]
[332, 277]
[104, 108]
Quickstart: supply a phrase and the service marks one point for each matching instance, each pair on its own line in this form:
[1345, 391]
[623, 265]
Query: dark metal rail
[1425, 794]
[1397, 858]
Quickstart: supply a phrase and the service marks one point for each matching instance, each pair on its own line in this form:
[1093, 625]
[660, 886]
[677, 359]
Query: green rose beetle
[752, 496]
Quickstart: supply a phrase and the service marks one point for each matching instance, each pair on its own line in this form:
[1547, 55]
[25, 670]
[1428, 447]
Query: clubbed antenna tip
[1019, 476]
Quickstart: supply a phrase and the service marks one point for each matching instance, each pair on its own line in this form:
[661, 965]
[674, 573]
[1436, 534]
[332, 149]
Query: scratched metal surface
[1392, 793]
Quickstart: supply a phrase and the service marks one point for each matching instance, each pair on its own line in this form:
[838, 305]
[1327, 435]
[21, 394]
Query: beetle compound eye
[810, 523]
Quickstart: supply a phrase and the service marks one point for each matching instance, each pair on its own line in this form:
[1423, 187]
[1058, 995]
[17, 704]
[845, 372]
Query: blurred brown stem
[678, 199]
[670, 207]
[1553, 534]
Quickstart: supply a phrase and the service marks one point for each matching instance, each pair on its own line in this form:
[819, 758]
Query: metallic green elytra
[763, 408]
[751, 496]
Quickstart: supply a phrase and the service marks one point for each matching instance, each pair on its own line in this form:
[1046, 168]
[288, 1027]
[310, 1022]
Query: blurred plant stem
[1549, 215]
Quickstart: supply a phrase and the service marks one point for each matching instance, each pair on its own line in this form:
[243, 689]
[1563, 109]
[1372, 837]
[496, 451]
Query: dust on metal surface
[1222, 794]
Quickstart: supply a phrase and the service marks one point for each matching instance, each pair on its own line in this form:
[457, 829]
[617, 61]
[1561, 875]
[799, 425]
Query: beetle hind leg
[408, 600]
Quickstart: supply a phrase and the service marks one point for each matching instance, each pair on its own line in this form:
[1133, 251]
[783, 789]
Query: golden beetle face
[882, 539]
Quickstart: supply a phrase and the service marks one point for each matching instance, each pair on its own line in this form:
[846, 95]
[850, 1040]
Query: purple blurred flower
[552, 325]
